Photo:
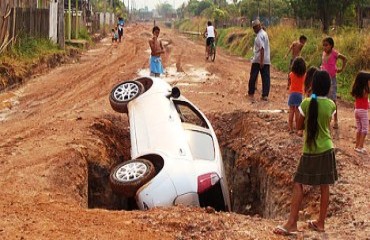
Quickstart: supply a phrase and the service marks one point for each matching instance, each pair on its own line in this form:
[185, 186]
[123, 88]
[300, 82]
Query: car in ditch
[175, 155]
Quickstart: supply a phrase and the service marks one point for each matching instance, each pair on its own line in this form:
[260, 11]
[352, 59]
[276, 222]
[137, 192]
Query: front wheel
[213, 52]
[127, 177]
[123, 93]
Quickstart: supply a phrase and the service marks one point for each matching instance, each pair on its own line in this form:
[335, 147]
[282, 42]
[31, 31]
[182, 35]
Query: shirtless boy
[156, 46]
[296, 48]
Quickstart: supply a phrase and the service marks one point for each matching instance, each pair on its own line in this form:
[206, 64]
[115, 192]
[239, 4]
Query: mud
[60, 138]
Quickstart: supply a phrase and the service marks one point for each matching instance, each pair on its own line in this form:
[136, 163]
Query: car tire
[123, 93]
[127, 177]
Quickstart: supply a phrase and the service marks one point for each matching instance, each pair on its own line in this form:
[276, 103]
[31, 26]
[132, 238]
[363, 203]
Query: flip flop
[280, 230]
[312, 225]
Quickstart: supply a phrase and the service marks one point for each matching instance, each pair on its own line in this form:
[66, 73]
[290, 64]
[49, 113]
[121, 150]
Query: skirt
[317, 169]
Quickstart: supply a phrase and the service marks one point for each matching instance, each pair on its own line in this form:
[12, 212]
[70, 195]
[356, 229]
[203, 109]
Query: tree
[165, 9]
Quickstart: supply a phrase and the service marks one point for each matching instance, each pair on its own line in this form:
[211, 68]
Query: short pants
[295, 99]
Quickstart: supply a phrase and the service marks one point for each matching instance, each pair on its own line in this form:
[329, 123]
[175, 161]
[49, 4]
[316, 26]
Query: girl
[295, 85]
[360, 91]
[329, 63]
[308, 81]
[317, 165]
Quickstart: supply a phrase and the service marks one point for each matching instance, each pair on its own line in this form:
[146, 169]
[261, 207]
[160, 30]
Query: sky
[152, 3]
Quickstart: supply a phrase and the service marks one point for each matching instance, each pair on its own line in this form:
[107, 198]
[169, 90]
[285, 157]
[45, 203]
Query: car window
[189, 114]
[201, 144]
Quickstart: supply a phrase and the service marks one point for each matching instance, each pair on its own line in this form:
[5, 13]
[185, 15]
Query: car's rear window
[201, 145]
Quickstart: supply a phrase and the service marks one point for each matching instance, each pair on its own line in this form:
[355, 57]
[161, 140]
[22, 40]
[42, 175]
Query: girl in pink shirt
[329, 63]
[360, 90]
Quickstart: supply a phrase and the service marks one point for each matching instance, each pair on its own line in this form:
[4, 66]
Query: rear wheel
[123, 93]
[213, 52]
[126, 178]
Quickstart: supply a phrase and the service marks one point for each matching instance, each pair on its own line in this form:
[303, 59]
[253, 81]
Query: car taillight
[206, 181]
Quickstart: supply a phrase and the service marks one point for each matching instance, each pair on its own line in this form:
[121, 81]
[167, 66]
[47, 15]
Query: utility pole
[111, 14]
[77, 21]
[104, 16]
[61, 40]
[69, 26]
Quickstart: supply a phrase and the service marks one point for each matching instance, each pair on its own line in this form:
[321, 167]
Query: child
[296, 48]
[360, 90]
[308, 81]
[211, 34]
[295, 86]
[329, 63]
[120, 25]
[317, 165]
[114, 35]
[156, 46]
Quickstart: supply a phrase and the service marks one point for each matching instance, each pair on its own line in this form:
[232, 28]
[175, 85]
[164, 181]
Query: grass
[28, 50]
[348, 41]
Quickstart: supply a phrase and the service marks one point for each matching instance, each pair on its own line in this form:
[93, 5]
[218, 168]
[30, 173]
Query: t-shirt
[210, 31]
[330, 64]
[261, 41]
[362, 103]
[296, 83]
[326, 109]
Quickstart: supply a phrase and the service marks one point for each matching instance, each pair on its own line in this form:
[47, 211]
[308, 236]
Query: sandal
[312, 225]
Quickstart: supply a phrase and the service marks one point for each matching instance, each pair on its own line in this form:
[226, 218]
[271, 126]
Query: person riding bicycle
[211, 34]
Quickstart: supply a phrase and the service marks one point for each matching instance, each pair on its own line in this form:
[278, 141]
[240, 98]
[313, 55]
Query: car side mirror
[175, 92]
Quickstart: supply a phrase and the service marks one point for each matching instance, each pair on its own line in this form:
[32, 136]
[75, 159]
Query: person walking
[260, 62]
[296, 48]
[360, 91]
[120, 25]
[317, 165]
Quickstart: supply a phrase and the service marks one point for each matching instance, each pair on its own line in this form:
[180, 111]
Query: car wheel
[123, 93]
[127, 177]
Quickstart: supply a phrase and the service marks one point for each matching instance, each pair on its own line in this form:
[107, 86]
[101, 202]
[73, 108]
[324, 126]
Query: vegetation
[327, 12]
[26, 51]
[348, 41]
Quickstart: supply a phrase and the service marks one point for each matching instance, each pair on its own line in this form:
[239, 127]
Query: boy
[296, 48]
[156, 47]
[211, 34]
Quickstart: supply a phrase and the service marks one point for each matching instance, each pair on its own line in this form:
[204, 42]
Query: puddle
[190, 76]
[7, 101]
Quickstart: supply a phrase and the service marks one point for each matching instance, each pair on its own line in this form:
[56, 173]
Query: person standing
[120, 25]
[295, 87]
[330, 57]
[360, 91]
[260, 62]
[155, 63]
[317, 165]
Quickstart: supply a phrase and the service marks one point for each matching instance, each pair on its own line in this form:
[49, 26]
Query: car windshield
[189, 114]
[201, 144]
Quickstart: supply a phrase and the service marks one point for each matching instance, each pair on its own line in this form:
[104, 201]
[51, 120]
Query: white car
[176, 157]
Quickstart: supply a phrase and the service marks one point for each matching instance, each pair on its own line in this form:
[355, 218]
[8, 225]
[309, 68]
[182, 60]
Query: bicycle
[212, 51]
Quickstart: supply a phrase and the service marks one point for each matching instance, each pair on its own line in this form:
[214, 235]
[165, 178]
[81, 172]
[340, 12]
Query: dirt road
[59, 138]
